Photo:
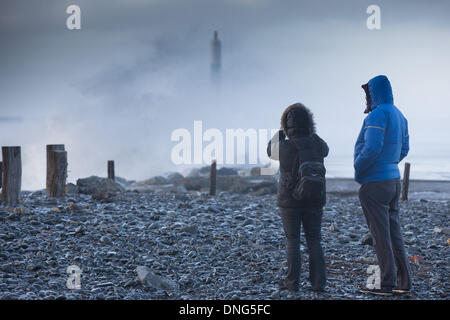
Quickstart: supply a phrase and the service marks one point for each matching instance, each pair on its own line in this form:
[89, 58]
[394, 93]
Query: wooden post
[405, 181]
[53, 176]
[212, 179]
[57, 173]
[1, 166]
[12, 174]
[111, 174]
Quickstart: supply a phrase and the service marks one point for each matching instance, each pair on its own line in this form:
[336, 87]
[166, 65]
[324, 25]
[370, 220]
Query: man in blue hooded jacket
[382, 143]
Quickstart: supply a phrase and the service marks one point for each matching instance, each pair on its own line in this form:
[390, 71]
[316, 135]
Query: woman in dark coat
[297, 140]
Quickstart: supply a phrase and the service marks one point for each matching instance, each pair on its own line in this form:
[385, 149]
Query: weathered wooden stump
[111, 174]
[11, 175]
[57, 174]
[405, 186]
[212, 179]
[56, 170]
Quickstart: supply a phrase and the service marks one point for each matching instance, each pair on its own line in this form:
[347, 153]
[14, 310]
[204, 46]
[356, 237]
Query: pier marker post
[405, 186]
[212, 179]
[111, 174]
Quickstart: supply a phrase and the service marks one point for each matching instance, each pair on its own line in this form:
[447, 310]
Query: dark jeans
[379, 201]
[311, 219]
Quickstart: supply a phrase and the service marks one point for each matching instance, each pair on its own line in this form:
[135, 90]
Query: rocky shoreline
[189, 245]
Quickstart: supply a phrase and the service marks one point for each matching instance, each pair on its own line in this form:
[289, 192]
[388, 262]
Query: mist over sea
[118, 88]
[422, 168]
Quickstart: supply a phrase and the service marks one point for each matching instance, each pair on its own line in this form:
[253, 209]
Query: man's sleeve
[405, 144]
[374, 131]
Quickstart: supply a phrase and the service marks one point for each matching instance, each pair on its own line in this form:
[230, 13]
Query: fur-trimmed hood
[307, 123]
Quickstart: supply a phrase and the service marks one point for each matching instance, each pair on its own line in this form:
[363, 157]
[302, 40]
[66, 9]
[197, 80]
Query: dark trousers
[379, 201]
[311, 219]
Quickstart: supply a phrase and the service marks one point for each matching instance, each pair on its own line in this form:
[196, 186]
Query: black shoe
[397, 291]
[379, 292]
[282, 286]
[319, 294]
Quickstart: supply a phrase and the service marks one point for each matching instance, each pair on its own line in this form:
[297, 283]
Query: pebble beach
[195, 246]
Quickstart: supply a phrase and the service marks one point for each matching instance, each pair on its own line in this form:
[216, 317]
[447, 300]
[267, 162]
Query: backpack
[310, 187]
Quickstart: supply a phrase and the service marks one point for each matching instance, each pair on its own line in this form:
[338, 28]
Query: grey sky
[137, 70]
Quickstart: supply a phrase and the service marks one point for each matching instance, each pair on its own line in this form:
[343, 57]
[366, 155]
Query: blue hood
[383, 140]
[380, 91]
